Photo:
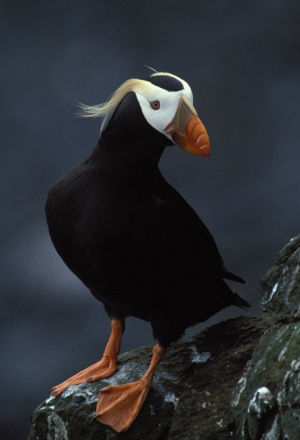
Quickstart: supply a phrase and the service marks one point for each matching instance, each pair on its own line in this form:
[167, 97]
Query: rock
[266, 403]
[280, 289]
[190, 396]
[238, 379]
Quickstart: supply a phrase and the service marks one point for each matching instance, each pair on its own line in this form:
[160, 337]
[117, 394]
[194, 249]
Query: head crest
[106, 109]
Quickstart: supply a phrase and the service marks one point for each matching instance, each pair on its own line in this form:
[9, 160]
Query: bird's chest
[115, 232]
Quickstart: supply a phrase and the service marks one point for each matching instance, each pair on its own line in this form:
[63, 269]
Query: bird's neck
[127, 166]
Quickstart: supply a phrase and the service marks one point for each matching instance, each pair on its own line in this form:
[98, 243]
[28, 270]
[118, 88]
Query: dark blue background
[241, 60]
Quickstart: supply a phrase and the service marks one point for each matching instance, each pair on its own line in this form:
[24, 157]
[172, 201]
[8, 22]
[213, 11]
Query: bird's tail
[231, 276]
[240, 302]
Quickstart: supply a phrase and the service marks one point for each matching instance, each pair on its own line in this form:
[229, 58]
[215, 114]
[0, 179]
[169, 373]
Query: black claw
[94, 418]
[104, 390]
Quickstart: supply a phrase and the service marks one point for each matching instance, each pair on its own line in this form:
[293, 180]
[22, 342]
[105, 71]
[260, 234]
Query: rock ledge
[239, 379]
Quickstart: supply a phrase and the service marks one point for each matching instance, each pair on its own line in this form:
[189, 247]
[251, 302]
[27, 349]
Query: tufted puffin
[132, 239]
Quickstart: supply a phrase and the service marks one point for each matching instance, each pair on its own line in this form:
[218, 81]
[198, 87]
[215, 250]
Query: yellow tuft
[106, 109]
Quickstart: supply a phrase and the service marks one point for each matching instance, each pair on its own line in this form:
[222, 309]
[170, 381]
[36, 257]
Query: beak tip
[205, 150]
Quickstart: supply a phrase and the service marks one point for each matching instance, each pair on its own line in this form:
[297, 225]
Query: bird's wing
[183, 231]
[183, 226]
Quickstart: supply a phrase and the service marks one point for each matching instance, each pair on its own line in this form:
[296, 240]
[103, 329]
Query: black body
[131, 238]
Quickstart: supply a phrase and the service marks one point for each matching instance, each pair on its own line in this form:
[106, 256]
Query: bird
[132, 239]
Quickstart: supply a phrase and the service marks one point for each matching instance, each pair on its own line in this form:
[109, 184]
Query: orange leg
[118, 406]
[104, 368]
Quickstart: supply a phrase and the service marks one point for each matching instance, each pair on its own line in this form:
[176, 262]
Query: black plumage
[131, 237]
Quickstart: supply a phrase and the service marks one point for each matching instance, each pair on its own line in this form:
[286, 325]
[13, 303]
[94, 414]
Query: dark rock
[190, 396]
[266, 403]
[238, 379]
[280, 289]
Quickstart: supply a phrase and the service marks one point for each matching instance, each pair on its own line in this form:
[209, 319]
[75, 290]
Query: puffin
[132, 239]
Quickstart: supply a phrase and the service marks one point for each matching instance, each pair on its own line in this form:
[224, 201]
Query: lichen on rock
[275, 364]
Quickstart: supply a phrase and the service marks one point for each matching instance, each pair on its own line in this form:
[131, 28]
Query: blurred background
[242, 62]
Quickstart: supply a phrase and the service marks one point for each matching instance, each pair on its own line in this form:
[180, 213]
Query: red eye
[155, 105]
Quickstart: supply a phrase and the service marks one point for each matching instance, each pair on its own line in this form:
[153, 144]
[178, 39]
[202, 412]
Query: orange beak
[187, 130]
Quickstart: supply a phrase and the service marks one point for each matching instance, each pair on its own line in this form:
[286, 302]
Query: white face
[159, 105]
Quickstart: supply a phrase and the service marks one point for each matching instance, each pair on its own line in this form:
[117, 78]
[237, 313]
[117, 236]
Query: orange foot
[102, 369]
[118, 406]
